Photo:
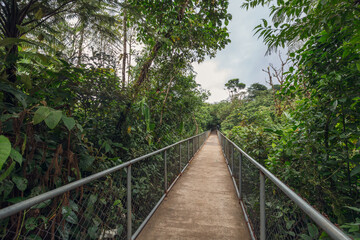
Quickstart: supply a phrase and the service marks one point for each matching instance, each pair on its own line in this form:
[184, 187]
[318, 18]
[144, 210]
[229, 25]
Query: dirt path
[202, 204]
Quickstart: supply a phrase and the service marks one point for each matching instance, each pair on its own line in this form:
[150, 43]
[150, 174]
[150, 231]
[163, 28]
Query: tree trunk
[81, 43]
[129, 58]
[164, 102]
[155, 50]
[124, 50]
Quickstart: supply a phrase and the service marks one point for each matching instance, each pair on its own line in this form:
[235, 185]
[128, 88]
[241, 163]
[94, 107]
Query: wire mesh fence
[285, 220]
[147, 187]
[274, 211]
[112, 204]
[89, 212]
[251, 194]
[172, 164]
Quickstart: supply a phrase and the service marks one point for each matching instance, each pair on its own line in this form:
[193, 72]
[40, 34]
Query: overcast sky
[243, 58]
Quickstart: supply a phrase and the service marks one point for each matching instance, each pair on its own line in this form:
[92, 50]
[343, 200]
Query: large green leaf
[355, 171]
[41, 114]
[20, 182]
[16, 156]
[69, 215]
[69, 122]
[7, 172]
[313, 231]
[31, 224]
[5, 149]
[20, 96]
[53, 119]
[14, 41]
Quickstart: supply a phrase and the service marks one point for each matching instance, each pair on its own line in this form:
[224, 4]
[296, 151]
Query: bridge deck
[203, 203]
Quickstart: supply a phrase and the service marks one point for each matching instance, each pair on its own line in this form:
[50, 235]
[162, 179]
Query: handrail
[317, 217]
[26, 204]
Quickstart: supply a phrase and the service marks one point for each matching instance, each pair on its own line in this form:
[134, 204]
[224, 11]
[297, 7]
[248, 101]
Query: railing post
[232, 159]
[262, 207]
[198, 142]
[165, 173]
[226, 153]
[240, 176]
[188, 150]
[223, 144]
[179, 157]
[128, 183]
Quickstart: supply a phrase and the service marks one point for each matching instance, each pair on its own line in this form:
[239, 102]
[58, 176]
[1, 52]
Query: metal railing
[115, 203]
[272, 210]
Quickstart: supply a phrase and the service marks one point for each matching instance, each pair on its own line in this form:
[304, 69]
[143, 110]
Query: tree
[256, 89]
[296, 20]
[234, 87]
[324, 80]
[278, 75]
[18, 18]
[192, 29]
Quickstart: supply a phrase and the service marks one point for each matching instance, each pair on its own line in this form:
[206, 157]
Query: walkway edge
[146, 220]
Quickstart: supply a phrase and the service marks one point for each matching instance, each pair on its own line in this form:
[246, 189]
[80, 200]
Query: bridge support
[128, 185]
[180, 158]
[188, 150]
[240, 176]
[232, 160]
[165, 173]
[262, 207]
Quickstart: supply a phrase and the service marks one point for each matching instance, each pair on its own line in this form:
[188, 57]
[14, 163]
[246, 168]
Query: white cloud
[243, 58]
[212, 78]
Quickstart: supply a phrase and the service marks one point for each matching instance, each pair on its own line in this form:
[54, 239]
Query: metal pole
[129, 226]
[240, 177]
[188, 150]
[165, 172]
[180, 158]
[232, 160]
[226, 152]
[223, 144]
[198, 142]
[262, 207]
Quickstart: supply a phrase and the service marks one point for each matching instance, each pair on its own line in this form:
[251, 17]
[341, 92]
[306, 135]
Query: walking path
[202, 204]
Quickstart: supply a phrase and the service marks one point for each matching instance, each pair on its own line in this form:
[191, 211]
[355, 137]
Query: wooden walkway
[202, 204]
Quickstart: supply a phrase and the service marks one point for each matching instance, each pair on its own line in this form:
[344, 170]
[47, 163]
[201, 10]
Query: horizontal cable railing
[115, 203]
[272, 210]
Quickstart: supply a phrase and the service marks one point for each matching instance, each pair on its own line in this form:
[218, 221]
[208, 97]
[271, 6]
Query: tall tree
[123, 71]
[188, 27]
[234, 86]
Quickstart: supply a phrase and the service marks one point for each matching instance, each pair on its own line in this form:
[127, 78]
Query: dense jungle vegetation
[305, 128]
[86, 85]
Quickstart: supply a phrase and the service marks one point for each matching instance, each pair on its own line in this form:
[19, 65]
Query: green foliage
[255, 90]
[5, 150]
[60, 122]
[314, 146]
[297, 20]
[234, 86]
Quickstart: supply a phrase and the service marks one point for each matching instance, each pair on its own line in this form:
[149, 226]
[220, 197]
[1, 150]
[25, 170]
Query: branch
[3, 29]
[47, 16]
[4, 9]
[42, 21]
[155, 50]
[25, 10]
[164, 102]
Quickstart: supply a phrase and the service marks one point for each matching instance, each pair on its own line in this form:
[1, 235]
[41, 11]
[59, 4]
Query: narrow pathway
[202, 204]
